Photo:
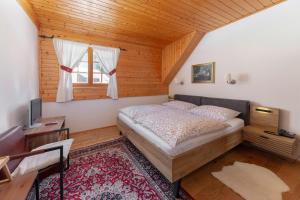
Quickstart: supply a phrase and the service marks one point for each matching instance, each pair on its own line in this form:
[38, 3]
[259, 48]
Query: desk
[41, 135]
[18, 188]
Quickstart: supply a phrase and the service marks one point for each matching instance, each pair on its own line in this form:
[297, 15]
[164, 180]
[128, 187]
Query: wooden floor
[91, 137]
[201, 184]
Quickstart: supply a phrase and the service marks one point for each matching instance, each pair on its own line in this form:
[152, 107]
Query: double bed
[175, 162]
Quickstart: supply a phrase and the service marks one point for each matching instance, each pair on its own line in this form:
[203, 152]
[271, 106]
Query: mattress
[235, 124]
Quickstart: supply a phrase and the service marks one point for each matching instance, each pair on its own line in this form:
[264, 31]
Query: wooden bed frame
[174, 168]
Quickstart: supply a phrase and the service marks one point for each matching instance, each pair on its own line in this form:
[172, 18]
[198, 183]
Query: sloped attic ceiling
[145, 21]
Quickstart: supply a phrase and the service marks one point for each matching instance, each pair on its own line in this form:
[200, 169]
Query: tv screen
[35, 110]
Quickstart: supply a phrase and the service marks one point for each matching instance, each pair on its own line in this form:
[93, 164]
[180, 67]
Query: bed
[175, 163]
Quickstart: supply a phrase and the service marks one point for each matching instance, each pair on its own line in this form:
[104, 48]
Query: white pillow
[215, 112]
[43, 160]
[180, 105]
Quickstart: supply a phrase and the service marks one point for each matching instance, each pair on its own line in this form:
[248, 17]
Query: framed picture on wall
[203, 73]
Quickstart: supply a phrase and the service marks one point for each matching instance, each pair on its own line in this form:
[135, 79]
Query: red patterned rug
[114, 170]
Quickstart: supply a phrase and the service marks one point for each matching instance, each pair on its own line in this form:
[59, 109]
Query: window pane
[85, 58]
[105, 78]
[80, 73]
[97, 78]
[83, 67]
[98, 73]
[79, 78]
[82, 77]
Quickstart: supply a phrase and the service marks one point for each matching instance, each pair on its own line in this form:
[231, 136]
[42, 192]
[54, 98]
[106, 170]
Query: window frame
[90, 82]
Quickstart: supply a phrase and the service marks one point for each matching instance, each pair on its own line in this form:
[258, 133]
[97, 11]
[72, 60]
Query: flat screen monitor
[35, 111]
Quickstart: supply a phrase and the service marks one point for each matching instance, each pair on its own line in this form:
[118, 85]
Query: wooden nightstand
[280, 145]
[170, 98]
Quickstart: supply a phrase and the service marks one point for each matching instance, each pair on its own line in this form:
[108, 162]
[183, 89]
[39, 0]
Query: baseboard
[94, 129]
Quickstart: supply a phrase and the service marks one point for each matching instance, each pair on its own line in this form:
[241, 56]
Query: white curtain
[109, 57]
[69, 55]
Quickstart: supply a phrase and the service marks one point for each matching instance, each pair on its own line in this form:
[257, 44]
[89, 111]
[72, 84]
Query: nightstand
[170, 98]
[277, 144]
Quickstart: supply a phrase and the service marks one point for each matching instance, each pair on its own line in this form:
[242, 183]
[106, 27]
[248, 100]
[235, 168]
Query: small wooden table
[4, 169]
[40, 135]
[18, 188]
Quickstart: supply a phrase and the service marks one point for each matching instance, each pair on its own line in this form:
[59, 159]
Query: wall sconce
[229, 79]
[177, 82]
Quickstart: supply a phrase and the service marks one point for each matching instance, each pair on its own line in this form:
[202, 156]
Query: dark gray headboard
[191, 99]
[238, 105]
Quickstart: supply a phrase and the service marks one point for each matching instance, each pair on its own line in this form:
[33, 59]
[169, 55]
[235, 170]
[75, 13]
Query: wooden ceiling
[152, 22]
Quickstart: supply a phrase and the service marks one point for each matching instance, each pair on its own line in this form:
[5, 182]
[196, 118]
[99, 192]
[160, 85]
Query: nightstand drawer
[277, 144]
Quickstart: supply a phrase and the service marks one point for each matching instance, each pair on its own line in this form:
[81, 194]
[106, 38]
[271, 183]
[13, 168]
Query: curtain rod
[52, 36]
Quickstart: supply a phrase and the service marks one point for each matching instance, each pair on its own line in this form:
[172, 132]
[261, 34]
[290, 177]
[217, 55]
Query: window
[89, 71]
[98, 74]
[80, 73]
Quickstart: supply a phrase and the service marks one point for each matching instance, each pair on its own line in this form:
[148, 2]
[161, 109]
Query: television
[35, 113]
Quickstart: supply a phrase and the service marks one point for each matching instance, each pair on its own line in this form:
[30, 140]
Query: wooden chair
[13, 144]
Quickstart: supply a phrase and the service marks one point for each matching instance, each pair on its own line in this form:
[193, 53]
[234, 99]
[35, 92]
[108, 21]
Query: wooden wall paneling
[176, 53]
[138, 70]
[158, 35]
[27, 7]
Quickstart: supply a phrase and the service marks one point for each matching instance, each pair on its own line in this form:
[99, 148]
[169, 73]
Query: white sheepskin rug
[252, 182]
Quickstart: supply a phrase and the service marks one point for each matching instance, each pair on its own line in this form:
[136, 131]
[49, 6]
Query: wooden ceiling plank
[236, 7]
[171, 12]
[203, 8]
[256, 4]
[277, 1]
[137, 29]
[96, 39]
[160, 17]
[93, 17]
[245, 5]
[103, 12]
[211, 10]
[189, 12]
[153, 16]
[151, 21]
[225, 8]
[119, 37]
[266, 3]
[176, 28]
[155, 13]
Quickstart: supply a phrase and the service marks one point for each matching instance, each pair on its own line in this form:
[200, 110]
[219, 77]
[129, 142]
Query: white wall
[18, 64]
[91, 114]
[263, 53]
